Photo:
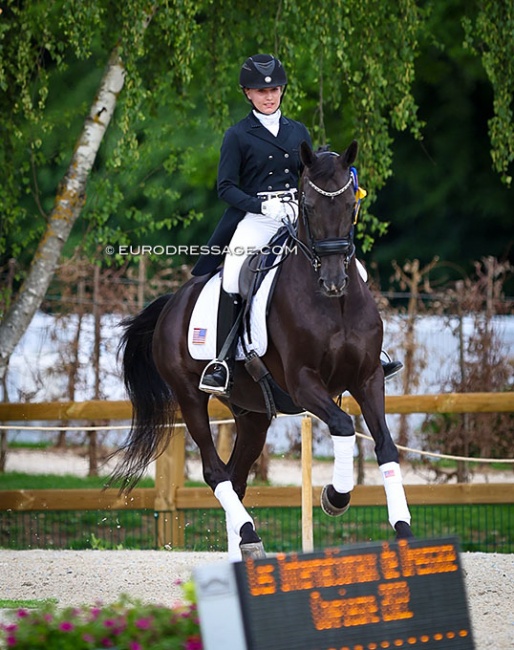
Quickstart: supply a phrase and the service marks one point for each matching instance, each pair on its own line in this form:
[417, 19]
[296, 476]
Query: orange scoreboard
[405, 594]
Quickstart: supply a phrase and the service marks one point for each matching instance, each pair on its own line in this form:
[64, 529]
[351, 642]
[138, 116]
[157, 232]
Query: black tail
[153, 402]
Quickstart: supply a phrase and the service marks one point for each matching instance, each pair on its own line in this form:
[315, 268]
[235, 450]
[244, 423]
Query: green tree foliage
[445, 197]
[163, 145]
[491, 36]
[351, 63]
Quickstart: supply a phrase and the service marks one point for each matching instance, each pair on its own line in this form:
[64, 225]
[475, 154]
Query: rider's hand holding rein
[275, 209]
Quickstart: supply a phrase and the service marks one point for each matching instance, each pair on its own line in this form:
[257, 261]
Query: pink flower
[66, 626]
[11, 640]
[22, 613]
[144, 623]
[88, 638]
[12, 627]
[134, 645]
[194, 643]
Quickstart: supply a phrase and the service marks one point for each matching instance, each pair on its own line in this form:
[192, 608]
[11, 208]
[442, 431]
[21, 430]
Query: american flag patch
[389, 473]
[199, 335]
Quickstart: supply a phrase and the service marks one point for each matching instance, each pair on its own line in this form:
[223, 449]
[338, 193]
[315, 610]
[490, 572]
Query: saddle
[257, 283]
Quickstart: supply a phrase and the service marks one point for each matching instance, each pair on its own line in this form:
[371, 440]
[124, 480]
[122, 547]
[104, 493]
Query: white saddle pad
[201, 335]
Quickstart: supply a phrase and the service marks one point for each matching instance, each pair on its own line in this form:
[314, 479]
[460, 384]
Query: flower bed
[123, 625]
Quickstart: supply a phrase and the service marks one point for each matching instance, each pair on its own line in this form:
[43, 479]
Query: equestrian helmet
[262, 71]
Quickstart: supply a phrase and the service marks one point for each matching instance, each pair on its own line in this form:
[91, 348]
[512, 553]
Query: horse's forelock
[324, 165]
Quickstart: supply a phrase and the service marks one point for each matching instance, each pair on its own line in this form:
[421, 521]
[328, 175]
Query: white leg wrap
[235, 511]
[397, 507]
[234, 539]
[342, 478]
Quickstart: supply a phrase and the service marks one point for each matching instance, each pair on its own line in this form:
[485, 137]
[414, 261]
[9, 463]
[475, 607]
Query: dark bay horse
[325, 337]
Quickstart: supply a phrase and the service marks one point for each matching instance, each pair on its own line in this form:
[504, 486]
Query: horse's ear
[349, 156]
[307, 155]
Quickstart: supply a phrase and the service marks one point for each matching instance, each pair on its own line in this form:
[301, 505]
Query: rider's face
[265, 100]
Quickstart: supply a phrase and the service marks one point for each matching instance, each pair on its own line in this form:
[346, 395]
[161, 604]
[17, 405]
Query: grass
[41, 444]
[31, 603]
[487, 528]
[22, 481]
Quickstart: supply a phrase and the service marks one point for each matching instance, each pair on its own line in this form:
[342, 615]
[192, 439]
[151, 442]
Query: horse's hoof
[403, 530]
[252, 551]
[328, 507]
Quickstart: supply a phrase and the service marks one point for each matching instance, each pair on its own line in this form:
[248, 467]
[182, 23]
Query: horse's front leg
[371, 401]
[313, 396]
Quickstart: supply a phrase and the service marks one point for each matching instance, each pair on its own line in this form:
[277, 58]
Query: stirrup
[215, 390]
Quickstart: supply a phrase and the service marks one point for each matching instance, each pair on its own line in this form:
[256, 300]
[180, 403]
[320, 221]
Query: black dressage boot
[217, 375]
[390, 367]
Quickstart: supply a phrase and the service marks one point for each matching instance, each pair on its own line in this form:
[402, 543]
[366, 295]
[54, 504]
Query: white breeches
[253, 232]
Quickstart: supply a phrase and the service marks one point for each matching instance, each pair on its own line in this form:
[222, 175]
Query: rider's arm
[230, 170]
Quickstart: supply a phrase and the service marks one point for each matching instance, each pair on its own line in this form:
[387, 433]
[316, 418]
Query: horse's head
[327, 209]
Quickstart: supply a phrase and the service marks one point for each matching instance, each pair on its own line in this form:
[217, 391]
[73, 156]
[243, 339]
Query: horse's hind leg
[193, 404]
[251, 435]
[371, 402]
[243, 541]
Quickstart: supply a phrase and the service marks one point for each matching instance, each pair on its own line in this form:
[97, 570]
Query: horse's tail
[153, 402]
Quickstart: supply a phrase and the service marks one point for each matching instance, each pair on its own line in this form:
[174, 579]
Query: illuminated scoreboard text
[389, 595]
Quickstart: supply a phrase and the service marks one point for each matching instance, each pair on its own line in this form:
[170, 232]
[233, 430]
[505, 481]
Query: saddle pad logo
[199, 335]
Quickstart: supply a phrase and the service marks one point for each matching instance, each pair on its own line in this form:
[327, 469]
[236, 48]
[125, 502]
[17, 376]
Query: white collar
[271, 122]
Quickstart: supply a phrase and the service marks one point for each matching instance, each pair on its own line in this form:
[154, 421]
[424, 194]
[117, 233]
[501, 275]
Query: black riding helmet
[262, 71]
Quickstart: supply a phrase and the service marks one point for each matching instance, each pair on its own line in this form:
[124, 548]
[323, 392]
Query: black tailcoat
[252, 160]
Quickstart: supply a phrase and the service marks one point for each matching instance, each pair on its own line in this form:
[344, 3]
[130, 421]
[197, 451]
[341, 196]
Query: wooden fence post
[225, 440]
[307, 534]
[169, 475]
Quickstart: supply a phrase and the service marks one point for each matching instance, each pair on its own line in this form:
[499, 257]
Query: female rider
[258, 176]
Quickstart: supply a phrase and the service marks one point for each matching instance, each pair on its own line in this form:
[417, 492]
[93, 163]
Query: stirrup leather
[215, 390]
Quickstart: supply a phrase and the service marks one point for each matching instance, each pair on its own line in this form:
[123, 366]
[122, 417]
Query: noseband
[318, 248]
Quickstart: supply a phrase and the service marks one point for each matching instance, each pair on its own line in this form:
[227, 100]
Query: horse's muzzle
[332, 289]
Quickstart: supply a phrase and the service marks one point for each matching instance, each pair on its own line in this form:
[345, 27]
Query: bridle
[318, 248]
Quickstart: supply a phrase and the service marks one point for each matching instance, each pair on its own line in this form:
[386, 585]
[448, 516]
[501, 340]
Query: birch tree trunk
[68, 205]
